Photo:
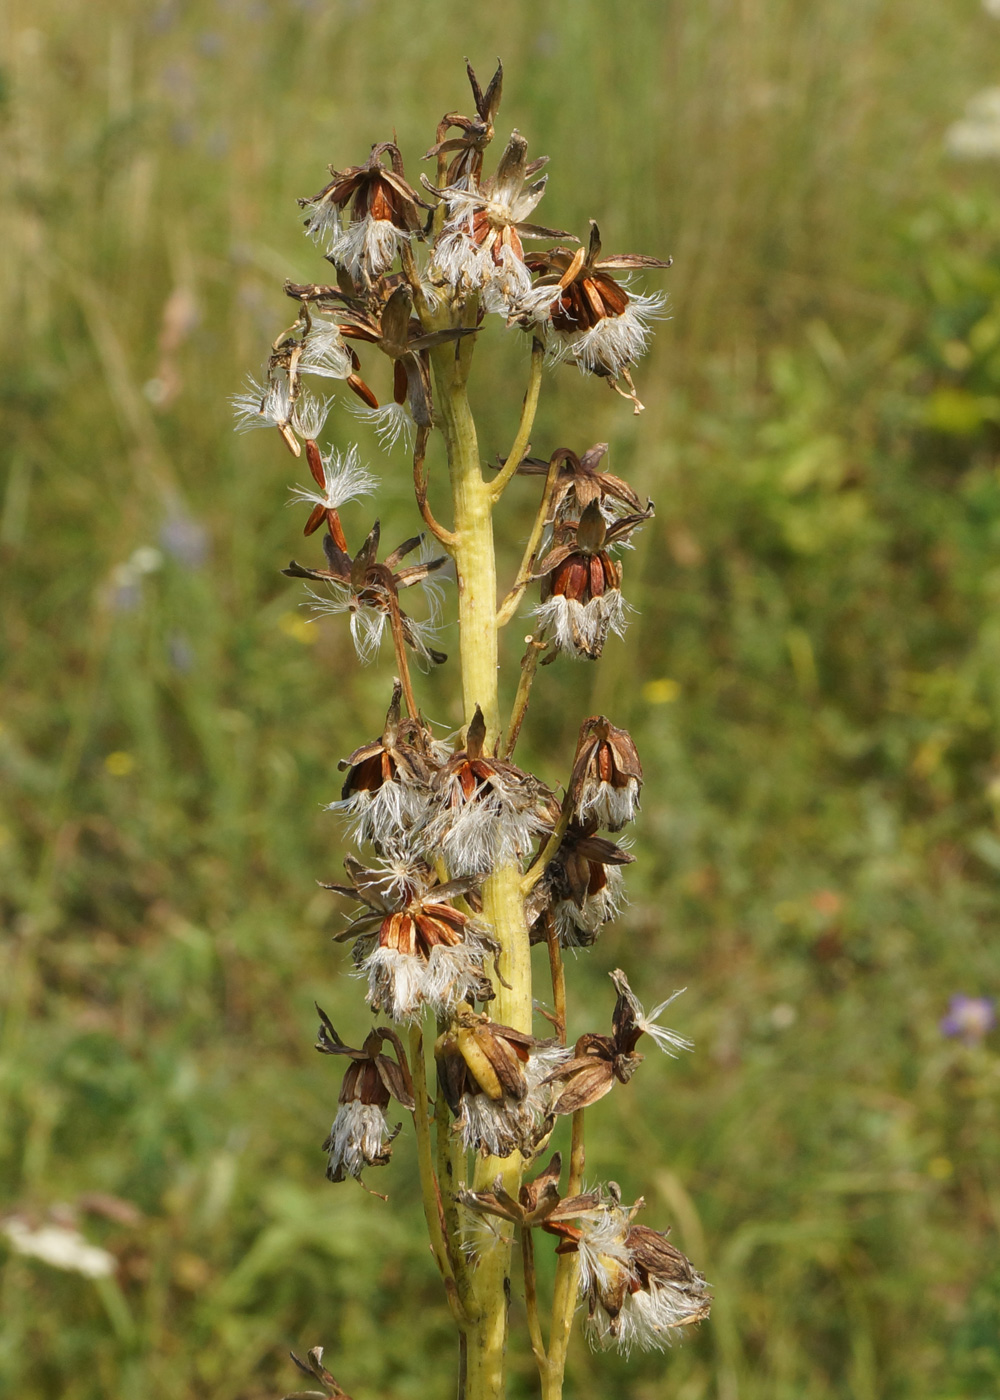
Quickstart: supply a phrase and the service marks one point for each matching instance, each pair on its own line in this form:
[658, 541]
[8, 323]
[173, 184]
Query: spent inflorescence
[466, 859]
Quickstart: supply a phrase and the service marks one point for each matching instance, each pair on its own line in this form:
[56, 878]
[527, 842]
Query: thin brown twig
[509, 605]
[447, 537]
[528, 410]
[529, 665]
[558, 974]
[567, 1275]
[399, 643]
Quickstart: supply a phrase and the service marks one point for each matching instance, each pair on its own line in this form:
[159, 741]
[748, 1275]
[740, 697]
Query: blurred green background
[812, 676]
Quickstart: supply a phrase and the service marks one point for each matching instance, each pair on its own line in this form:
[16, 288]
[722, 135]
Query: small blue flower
[970, 1018]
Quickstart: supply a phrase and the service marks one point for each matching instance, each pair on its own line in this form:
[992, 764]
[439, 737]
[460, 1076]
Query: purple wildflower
[970, 1018]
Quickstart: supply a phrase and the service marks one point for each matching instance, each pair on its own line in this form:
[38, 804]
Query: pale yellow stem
[523, 440]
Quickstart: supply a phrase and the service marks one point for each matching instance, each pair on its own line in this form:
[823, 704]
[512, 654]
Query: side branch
[548, 851]
[429, 1190]
[522, 441]
[508, 607]
[529, 665]
[447, 537]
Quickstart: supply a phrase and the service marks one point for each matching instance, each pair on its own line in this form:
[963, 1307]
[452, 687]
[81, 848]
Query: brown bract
[579, 483]
[371, 584]
[587, 291]
[578, 872]
[601, 1060]
[373, 190]
[470, 775]
[477, 132]
[604, 754]
[578, 566]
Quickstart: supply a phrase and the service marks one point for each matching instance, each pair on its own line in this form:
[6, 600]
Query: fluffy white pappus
[615, 342]
[578, 927]
[535, 305]
[386, 817]
[667, 1040]
[581, 629]
[391, 421]
[359, 1138]
[458, 260]
[604, 1255]
[324, 225]
[310, 414]
[493, 828]
[367, 623]
[367, 247]
[344, 479]
[403, 984]
[650, 1318]
[325, 353]
[266, 404]
[506, 283]
[611, 806]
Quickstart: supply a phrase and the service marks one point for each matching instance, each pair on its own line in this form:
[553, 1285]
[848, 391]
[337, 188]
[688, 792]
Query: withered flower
[581, 889]
[581, 584]
[386, 793]
[639, 1288]
[391, 327]
[594, 321]
[416, 949]
[488, 811]
[601, 1060]
[607, 775]
[368, 590]
[579, 483]
[385, 212]
[361, 1136]
[481, 245]
[467, 164]
[279, 401]
[492, 1077]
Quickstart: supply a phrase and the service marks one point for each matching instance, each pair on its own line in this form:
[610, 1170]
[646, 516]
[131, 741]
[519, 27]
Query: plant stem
[567, 1276]
[503, 908]
[509, 605]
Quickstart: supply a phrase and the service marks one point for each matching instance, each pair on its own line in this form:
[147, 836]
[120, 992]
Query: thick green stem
[503, 904]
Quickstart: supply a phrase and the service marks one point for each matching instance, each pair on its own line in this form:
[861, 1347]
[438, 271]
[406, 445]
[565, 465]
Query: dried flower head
[607, 775]
[593, 320]
[579, 483]
[581, 889]
[467, 150]
[581, 600]
[495, 1081]
[487, 811]
[386, 794]
[361, 1136]
[599, 1061]
[415, 947]
[481, 246]
[385, 212]
[369, 592]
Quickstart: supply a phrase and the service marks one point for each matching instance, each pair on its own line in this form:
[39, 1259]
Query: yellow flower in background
[661, 692]
[298, 627]
[119, 764]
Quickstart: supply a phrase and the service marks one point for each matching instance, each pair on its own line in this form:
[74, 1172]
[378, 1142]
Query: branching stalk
[509, 605]
[429, 1191]
[530, 406]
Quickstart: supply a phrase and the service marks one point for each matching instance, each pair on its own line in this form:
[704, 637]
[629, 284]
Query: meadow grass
[811, 679]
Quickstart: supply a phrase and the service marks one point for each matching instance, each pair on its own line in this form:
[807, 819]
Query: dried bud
[601, 1060]
[581, 889]
[487, 812]
[495, 1081]
[416, 949]
[361, 1136]
[607, 775]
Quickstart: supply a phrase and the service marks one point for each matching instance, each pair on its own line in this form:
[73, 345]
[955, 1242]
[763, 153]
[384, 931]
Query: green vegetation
[816, 700]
